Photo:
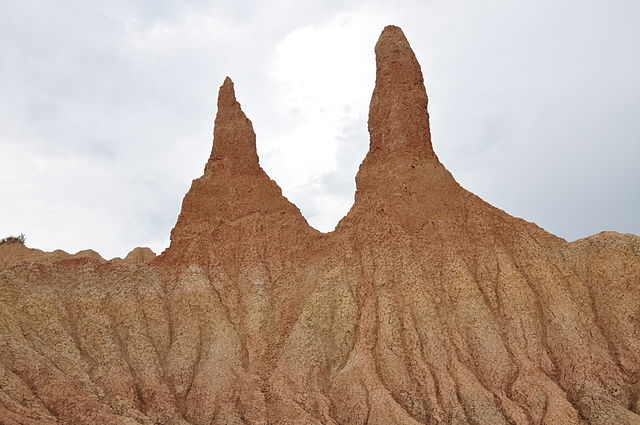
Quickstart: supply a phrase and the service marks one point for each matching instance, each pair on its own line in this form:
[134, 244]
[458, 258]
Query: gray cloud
[106, 110]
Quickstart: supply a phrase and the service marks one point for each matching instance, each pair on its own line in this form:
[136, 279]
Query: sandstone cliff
[426, 305]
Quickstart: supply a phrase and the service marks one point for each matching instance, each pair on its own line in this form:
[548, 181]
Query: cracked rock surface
[426, 305]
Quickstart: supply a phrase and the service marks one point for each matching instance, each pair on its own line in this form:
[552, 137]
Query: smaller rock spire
[234, 141]
[234, 211]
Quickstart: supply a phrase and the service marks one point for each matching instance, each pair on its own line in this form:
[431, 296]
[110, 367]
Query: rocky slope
[426, 305]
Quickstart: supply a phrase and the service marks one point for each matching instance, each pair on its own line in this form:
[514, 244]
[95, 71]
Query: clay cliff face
[426, 305]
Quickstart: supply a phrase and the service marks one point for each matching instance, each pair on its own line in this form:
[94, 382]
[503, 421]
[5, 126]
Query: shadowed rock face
[425, 306]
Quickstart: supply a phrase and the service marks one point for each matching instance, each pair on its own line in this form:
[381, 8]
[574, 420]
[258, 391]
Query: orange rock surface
[426, 305]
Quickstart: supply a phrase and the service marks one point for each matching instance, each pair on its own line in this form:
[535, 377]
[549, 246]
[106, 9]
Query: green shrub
[14, 239]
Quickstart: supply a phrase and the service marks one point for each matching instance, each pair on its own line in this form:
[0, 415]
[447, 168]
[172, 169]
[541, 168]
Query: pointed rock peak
[234, 141]
[398, 118]
[227, 92]
[401, 177]
[234, 209]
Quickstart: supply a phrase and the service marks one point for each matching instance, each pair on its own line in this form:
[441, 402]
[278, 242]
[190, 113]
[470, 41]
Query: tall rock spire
[398, 117]
[401, 177]
[234, 141]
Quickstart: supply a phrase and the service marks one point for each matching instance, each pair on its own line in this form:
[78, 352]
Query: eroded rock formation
[426, 305]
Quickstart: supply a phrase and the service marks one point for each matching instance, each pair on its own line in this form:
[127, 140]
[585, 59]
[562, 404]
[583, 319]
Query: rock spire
[234, 141]
[398, 117]
[234, 206]
[401, 177]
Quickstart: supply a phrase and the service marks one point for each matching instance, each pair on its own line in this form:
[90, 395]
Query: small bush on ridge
[14, 239]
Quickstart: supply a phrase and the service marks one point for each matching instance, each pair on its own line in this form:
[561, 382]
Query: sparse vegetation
[14, 239]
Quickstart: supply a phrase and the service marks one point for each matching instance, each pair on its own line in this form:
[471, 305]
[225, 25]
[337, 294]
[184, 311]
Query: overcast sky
[106, 108]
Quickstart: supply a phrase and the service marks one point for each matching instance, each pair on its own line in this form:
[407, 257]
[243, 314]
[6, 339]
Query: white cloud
[325, 75]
